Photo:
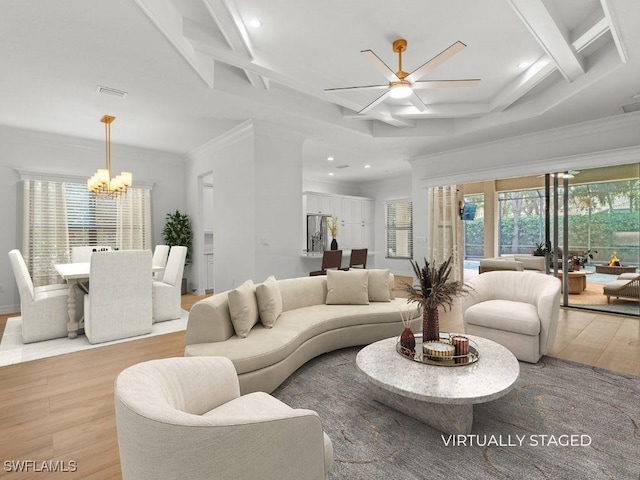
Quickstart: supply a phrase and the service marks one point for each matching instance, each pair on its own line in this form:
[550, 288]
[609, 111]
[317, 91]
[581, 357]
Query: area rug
[13, 350]
[562, 421]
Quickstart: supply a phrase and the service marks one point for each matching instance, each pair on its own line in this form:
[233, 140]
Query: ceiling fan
[402, 84]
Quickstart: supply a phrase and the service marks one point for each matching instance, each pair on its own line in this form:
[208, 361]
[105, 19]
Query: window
[474, 229]
[399, 229]
[59, 216]
[91, 221]
[521, 221]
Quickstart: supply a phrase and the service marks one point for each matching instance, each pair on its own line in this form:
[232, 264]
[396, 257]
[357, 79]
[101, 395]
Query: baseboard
[10, 309]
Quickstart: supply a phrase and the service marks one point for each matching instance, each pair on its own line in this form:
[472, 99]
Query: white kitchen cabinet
[355, 217]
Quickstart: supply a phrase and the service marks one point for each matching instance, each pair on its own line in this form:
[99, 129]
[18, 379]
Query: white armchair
[159, 259]
[44, 309]
[166, 294]
[518, 310]
[184, 418]
[118, 304]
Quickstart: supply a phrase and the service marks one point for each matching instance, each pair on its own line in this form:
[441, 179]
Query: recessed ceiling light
[523, 65]
[367, 166]
[331, 174]
[330, 159]
[255, 23]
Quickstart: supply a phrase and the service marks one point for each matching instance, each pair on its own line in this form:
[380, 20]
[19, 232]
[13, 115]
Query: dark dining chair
[330, 259]
[358, 258]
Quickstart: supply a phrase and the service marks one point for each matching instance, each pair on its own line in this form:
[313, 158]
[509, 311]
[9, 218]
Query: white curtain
[444, 228]
[45, 239]
[133, 226]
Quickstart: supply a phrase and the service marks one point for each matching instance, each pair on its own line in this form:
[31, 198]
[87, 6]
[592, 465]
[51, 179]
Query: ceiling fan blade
[417, 102]
[373, 104]
[382, 67]
[445, 83]
[364, 87]
[436, 61]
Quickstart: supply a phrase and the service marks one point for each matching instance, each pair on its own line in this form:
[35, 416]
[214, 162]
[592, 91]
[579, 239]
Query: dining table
[77, 276]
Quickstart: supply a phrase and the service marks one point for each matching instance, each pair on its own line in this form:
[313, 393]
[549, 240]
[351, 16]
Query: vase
[408, 340]
[430, 325]
[334, 244]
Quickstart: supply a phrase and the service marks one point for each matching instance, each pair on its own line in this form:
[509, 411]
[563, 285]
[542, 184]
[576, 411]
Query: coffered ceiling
[195, 68]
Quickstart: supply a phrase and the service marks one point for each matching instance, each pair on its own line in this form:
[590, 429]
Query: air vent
[111, 91]
[631, 107]
[342, 166]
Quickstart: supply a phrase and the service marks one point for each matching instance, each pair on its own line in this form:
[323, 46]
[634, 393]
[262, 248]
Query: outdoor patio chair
[627, 285]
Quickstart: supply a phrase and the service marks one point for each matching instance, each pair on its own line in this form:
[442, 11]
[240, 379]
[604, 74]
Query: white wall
[74, 157]
[230, 158]
[257, 189]
[337, 188]
[395, 188]
[278, 203]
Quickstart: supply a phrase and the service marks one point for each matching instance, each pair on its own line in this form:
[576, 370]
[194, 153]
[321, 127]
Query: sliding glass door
[593, 231]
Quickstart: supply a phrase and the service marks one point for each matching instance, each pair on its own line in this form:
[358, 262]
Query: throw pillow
[347, 288]
[379, 285]
[269, 301]
[243, 308]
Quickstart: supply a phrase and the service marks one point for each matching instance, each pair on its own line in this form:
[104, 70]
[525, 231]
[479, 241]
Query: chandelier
[101, 182]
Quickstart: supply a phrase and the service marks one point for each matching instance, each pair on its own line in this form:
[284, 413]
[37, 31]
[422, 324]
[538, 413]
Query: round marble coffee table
[440, 396]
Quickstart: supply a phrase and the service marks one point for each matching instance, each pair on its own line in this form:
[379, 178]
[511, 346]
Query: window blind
[45, 238]
[399, 229]
[91, 220]
[59, 216]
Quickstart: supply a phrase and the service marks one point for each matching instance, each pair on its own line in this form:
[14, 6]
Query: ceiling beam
[226, 16]
[543, 67]
[591, 35]
[309, 88]
[614, 27]
[443, 110]
[169, 21]
[537, 72]
[551, 35]
[385, 117]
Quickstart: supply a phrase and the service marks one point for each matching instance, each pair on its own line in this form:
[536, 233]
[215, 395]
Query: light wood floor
[61, 408]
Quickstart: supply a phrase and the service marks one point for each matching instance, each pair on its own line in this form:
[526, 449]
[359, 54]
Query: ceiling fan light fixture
[400, 90]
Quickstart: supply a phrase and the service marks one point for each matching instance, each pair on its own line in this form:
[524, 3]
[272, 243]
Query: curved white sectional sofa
[306, 328]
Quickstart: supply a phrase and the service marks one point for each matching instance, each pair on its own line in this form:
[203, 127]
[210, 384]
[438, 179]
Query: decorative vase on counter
[334, 244]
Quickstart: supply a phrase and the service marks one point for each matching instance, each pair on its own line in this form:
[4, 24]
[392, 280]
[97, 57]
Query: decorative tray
[440, 353]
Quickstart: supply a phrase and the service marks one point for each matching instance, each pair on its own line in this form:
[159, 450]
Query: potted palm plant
[433, 290]
[177, 231]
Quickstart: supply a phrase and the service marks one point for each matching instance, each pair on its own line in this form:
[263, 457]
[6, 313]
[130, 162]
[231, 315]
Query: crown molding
[237, 134]
[20, 136]
[599, 127]
[49, 176]
[619, 156]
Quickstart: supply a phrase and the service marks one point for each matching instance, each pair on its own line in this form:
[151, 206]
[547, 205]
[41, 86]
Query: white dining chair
[160, 255]
[118, 304]
[166, 294]
[44, 309]
[83, 254]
